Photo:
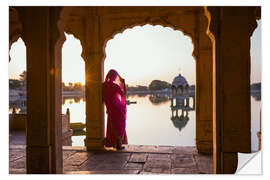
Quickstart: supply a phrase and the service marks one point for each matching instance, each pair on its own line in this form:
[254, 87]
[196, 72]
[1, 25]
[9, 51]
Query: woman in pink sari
[114, 92]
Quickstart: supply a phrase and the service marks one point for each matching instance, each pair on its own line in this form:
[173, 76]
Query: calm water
[151, 124]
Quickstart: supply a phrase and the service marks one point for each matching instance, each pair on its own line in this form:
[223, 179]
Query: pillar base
[94, 144]
[204, 147]
[39, 159]
[226, 163]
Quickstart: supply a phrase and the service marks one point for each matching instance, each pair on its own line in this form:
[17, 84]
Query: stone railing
[17, 122]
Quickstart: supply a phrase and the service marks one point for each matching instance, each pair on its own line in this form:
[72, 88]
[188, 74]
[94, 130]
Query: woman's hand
[123, 81]
[123, 84]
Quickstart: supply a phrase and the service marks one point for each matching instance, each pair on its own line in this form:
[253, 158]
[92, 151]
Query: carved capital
[15, 26]
[212, 15]
[254, 15]
[73, 21]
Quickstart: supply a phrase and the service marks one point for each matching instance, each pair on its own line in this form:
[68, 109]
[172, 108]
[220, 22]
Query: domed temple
[180, 94]
[180, 81]
[180, 101]
[180, 85]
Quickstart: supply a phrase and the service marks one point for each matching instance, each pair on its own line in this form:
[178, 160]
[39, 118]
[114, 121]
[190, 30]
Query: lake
[149, 123]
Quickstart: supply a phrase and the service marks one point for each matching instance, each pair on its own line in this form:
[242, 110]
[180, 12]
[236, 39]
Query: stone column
[94, 104]
[187, 102]
[44, 125]
[194, 102]
[172, 97]
[94, 78]
[204, 123]
[231, 29]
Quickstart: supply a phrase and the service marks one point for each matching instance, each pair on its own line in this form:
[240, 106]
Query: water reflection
[256, 95]
[156, 119]
[255, 120]
[149, 122]
[180, 121]
[157, 99]
[181, 103]
[79, 132]
[72, 99]
[77, 108]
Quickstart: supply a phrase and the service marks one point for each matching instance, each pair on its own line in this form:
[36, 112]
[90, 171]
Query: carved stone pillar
[204, 122]
[230, 31]
[94, 104]
[94, 78]
[84, 23]
[44, 125]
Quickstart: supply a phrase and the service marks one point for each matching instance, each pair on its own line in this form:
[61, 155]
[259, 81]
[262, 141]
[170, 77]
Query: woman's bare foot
[120, 147]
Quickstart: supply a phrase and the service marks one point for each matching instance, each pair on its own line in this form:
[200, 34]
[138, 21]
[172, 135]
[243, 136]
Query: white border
[4, 63]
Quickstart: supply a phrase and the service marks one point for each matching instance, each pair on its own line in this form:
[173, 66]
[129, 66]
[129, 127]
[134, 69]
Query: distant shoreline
[81, 94]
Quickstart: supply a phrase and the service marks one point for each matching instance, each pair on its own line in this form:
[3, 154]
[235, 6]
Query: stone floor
[134, 159]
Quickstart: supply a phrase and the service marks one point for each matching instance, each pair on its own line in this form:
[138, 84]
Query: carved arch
[15, 26]
[82, 22]
[73, 21]
[149, 20]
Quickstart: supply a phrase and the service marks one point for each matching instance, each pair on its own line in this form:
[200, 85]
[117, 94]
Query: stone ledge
[17, 171]
[104, 172]
[74, 148]
[21, 147]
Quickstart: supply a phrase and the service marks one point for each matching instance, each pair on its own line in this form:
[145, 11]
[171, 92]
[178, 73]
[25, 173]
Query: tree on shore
[23, 78]
[77, 86]
[137, 88]
[159, 85]
[70, 84]
[18, 83]
[14, 84]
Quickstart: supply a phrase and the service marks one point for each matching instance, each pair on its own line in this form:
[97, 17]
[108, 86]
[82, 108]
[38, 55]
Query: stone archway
[94, 26]
[128, 55]
[194, 25]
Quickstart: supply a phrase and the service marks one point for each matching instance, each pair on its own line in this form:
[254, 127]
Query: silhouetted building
[180, 93]
[180, 101]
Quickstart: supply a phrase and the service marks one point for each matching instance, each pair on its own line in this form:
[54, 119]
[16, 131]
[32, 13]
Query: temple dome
[180, 81]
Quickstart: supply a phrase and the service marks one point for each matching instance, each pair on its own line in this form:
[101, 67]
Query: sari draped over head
[114, 99]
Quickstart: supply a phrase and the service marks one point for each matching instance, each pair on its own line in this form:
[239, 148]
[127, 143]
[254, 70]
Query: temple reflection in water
[181, 97]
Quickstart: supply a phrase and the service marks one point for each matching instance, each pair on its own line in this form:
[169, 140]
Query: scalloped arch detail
[126, 27]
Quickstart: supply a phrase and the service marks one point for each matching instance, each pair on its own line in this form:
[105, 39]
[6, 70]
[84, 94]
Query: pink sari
[114, 99]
